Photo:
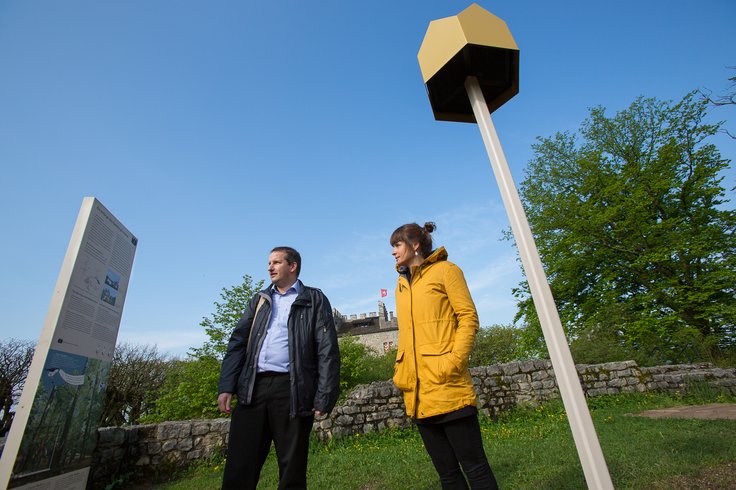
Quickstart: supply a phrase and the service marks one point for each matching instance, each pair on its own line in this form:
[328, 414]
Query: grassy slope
[528, 449]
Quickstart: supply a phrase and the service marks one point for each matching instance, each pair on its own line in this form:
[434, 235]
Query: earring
[416, 253]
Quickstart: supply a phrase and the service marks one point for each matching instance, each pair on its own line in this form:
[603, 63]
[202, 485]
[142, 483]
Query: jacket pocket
[402, 373]
[436, 366]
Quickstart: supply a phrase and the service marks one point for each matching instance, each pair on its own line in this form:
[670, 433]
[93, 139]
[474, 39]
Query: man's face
[282, 273]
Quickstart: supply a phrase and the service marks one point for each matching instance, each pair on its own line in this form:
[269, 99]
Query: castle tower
[382, 315]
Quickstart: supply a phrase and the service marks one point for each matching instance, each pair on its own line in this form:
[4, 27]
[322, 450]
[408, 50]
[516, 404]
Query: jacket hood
[438, 255]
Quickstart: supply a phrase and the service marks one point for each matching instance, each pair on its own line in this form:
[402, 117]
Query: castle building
[379, 331]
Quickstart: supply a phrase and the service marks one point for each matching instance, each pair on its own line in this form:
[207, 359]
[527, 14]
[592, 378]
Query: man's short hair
[292, 256]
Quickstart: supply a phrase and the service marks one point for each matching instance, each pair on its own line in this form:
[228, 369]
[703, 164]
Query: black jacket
[314, 366]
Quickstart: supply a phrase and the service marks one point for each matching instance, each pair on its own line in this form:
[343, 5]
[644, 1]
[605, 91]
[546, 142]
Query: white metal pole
[583, 431]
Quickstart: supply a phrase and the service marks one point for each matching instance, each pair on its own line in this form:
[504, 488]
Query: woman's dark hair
[412, 233]
[291, 256]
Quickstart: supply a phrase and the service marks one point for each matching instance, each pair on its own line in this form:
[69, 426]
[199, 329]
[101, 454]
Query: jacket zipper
[413, 344]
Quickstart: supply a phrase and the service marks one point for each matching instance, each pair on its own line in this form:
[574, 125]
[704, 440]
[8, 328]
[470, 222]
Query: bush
[189, 392]
[359, 364]
[136, 376]
[595, 346]
[495, 345]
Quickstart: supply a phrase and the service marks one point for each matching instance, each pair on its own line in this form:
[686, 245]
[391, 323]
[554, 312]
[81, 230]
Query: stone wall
[500, 387]
[379, 406]
[148, 448]
[381, 340]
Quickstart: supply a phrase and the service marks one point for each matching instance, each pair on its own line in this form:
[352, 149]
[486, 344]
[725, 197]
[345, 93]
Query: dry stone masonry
[500, 387]
[379, 406]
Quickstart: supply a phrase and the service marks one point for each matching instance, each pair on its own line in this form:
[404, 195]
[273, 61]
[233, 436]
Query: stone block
[385, 391]
[510, 368]
[494, 370]
[550, 383]
[376, 416]
[153, 447]
[146, 432]
[527, 366]
[199, 428]
[173, 430]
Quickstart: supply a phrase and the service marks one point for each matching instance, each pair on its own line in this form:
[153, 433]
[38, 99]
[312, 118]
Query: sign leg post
[583, 431]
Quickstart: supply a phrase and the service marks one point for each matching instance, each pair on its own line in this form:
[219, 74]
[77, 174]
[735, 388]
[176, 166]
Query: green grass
[528, 448]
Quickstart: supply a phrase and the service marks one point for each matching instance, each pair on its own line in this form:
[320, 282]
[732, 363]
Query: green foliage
[190, 389]
[382, 366]
[630, 224]
[495, 345]
[189, 392]
[220, 325]
[598, 345]
[360, 364]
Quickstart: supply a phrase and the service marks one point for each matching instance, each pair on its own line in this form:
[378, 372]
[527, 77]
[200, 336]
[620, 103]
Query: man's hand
[224, 401]
[317, 413]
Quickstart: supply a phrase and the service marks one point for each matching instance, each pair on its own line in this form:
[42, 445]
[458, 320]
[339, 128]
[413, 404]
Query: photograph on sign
[61, 429]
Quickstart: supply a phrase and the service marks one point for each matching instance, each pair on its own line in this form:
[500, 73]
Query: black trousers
[252, 429]
[455, 444]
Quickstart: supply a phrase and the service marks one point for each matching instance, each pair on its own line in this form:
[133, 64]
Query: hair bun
[429, 226]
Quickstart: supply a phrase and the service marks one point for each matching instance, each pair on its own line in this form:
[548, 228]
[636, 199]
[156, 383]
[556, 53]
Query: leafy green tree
[630, 222]
[190, 390]
[383, 365]
[353, 362]
[359, 364]
[220, 325]
[495, 345]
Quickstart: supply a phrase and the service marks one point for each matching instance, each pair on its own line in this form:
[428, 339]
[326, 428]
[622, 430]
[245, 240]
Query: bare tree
[15, 359]
[136, 377]
[726, 99]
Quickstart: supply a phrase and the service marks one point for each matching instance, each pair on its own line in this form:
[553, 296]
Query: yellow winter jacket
[437, 327]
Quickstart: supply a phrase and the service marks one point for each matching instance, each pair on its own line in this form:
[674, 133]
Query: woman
[437, 326]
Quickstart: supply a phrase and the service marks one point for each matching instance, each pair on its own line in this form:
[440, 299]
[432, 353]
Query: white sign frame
[50, 443]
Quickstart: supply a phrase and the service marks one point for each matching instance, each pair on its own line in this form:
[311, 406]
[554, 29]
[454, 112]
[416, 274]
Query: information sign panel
[50, 443]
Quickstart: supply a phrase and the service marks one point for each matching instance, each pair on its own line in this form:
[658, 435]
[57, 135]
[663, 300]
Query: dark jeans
[456, 444]
[254, 426]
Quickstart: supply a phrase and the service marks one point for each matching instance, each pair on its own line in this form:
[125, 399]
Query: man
[283, 363]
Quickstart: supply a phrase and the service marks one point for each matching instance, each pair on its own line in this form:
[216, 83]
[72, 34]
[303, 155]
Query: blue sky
[216, 130]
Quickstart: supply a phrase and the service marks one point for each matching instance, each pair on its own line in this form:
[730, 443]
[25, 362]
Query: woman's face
[403, 253]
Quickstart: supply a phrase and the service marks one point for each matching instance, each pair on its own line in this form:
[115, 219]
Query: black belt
[268, 374]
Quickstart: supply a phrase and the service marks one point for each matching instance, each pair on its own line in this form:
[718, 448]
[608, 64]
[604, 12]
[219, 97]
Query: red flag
[384, 293]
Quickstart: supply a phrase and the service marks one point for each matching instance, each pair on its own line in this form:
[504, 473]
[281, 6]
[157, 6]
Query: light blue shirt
[274, 355]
